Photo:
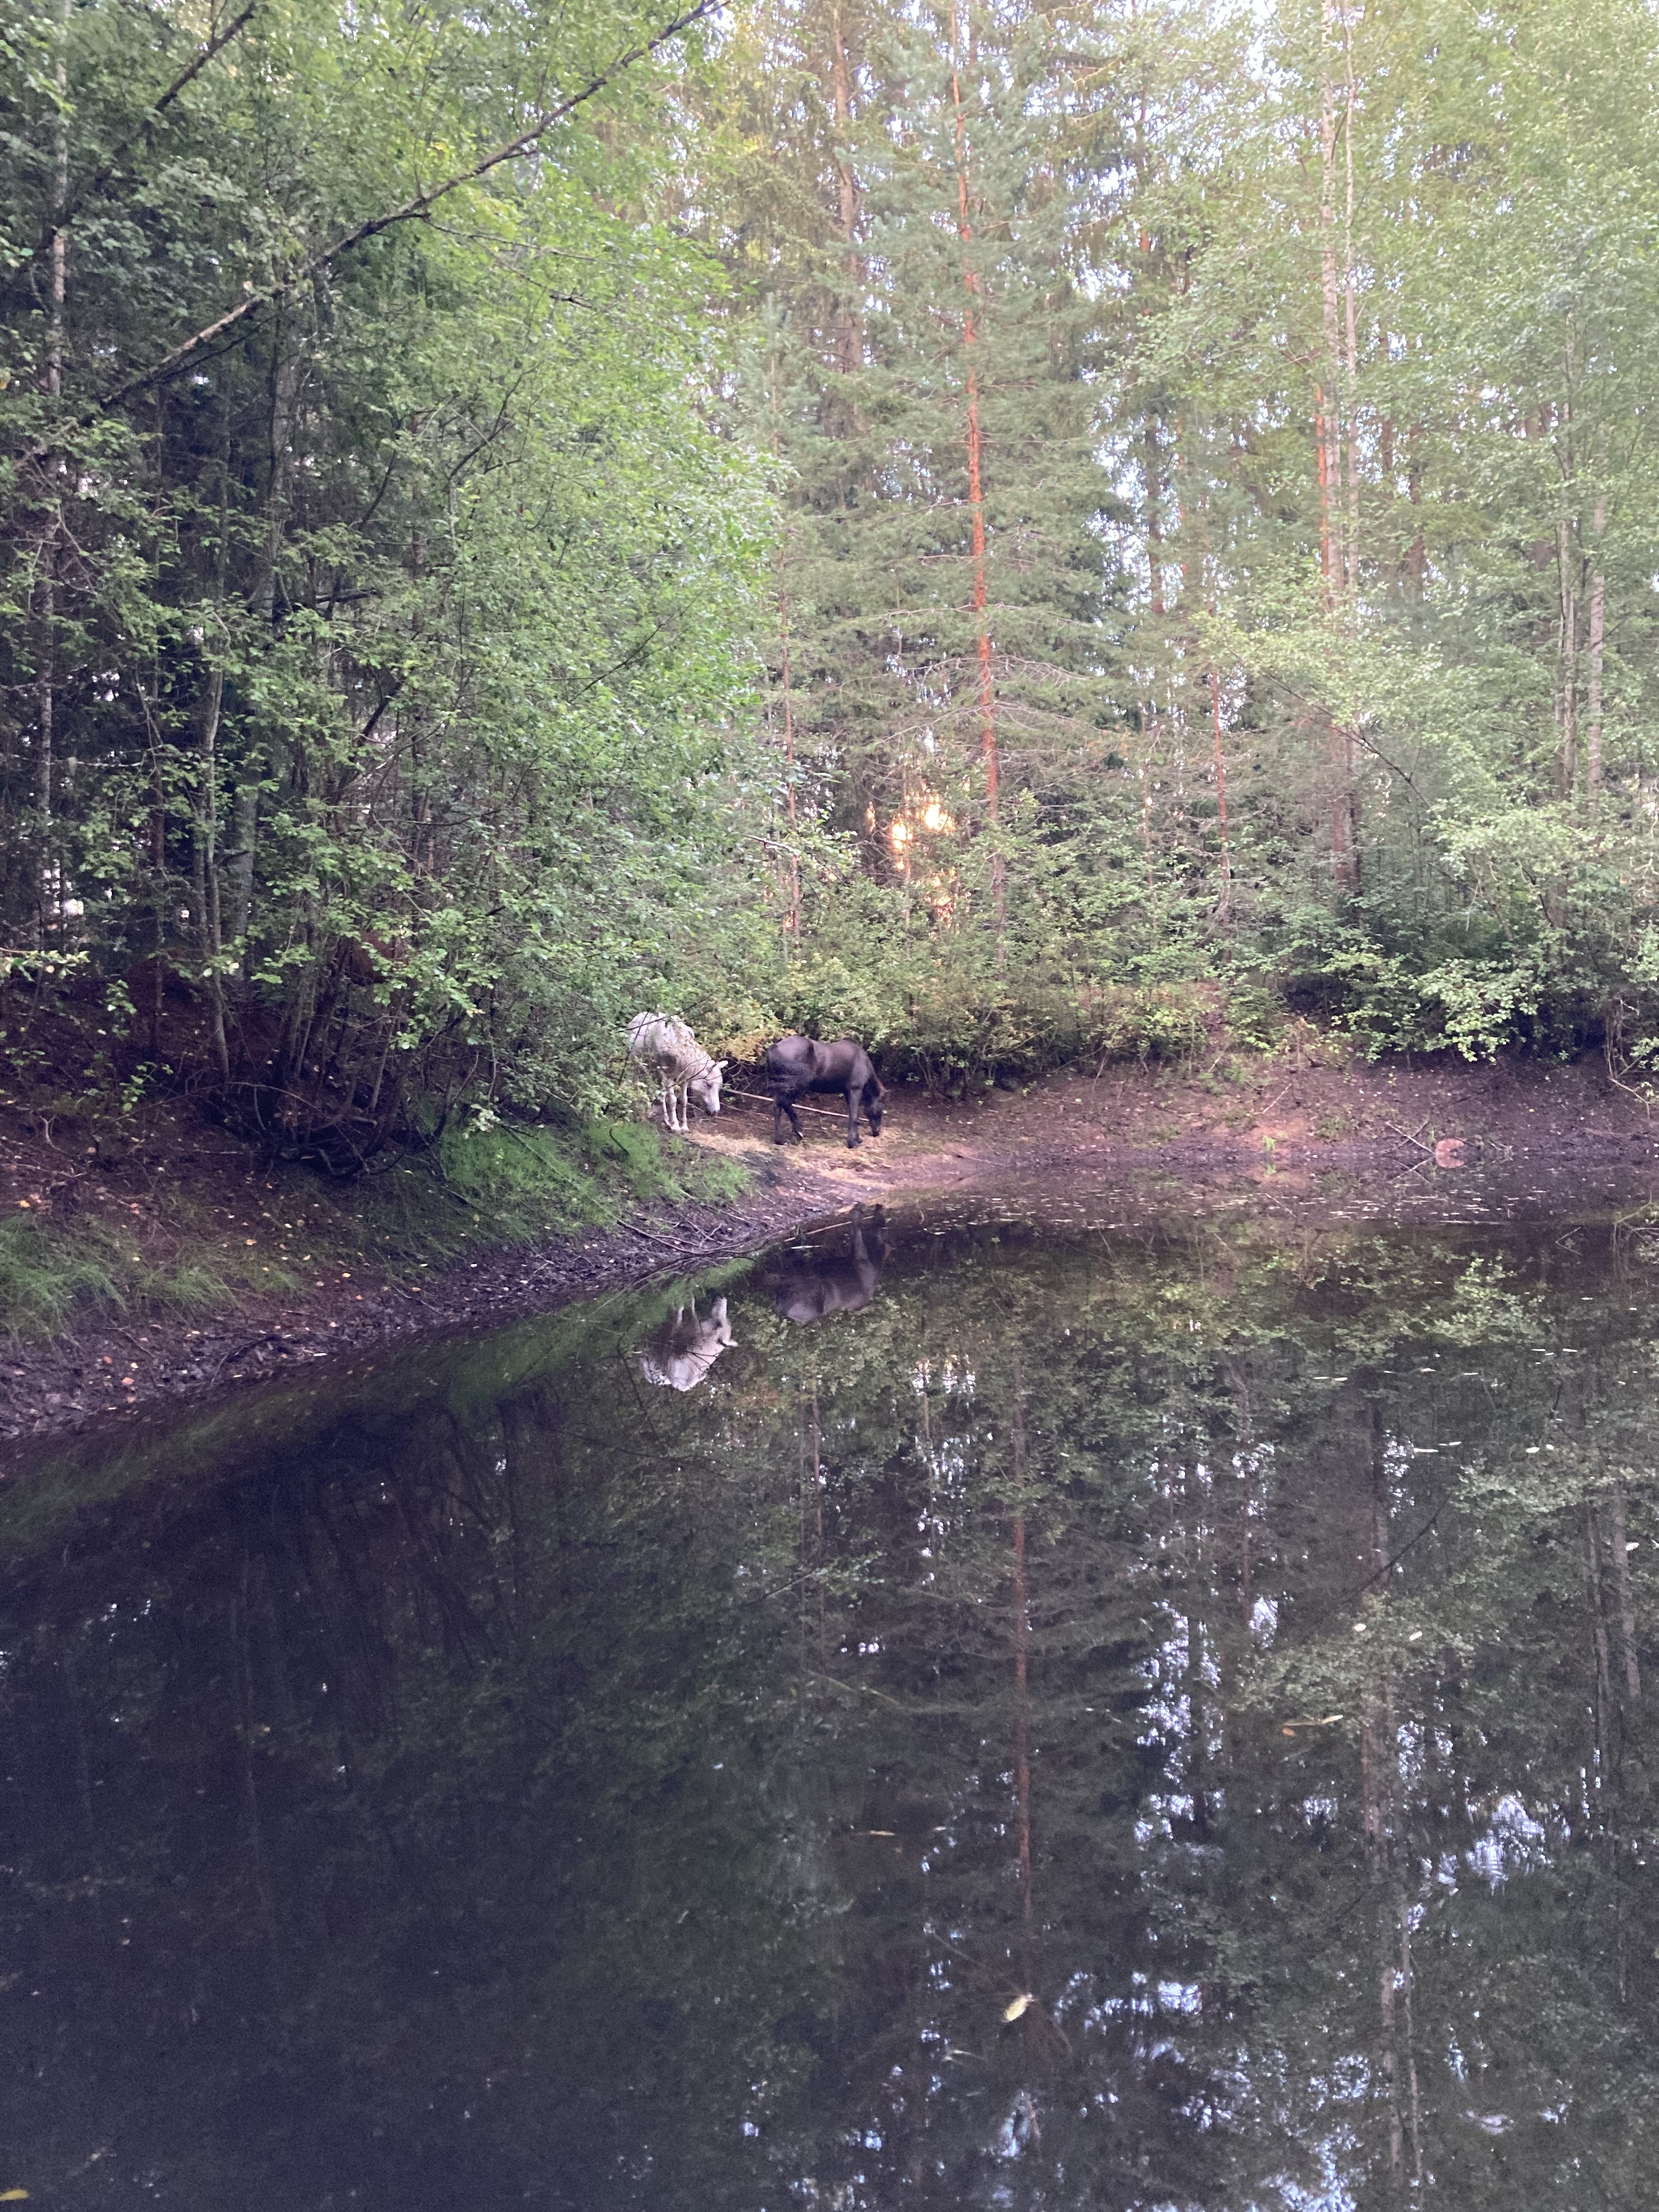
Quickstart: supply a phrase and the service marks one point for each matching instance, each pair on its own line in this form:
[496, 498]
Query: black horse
[829, 1282]
[796, 1065]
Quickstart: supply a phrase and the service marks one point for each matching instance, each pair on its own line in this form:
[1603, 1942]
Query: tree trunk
[1327, 403]
[989, 752]
[205, 859]
[1224, 909]
[792, 918]
[1022, 1629]
[284, 394]
[1598, 611]
[1327, 547]
[1352, 564]
[1335, 374]
[207, 897]
[1627, 1600]
[49, 890]
[1567, 703]
[1416, 553]
[850, 348]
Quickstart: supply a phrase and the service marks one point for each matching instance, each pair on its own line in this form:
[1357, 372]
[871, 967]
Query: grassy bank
[167, 1219]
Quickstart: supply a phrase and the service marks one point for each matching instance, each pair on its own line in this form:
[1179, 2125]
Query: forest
[1017, 533]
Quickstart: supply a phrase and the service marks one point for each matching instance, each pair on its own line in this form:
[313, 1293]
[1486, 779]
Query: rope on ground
[828, 1113]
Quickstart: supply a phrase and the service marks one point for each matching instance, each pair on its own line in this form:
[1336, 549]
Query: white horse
[663, 1047]
[686, 1347]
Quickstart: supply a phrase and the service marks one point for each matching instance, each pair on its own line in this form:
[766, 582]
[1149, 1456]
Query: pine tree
[943, 584]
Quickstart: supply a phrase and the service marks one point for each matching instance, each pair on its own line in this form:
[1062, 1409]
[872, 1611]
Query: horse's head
[706, 1088]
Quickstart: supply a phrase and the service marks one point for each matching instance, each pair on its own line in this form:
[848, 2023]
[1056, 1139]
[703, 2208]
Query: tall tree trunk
[1416, 553]
[850, 348]
[989, 750]
[204, 858]
[1322, 467]
[1627, 1600]
[204, 824]
[1335, 375]
[1566, 698]
[792, 918]
[1349, 288]
[1224, 908]
[1328, 405]
[284, 394]
[49, 890]
[1022, 1628]
[1598, 614]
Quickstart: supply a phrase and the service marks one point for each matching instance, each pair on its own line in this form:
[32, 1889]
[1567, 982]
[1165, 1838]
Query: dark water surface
[1002, 1710]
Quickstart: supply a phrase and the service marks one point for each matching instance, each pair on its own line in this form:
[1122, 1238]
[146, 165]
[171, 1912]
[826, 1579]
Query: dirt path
[1265, 1116]
[1276, 1120]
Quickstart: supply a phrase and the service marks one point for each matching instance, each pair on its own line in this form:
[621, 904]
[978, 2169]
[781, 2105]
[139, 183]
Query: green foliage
[415, 600]
[908, 522]
[1384, 749]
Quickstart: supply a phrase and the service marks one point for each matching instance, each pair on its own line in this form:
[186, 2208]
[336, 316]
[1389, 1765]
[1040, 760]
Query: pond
[1027, 1701]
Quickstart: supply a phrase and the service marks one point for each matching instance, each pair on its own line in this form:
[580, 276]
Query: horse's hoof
[853, 1143]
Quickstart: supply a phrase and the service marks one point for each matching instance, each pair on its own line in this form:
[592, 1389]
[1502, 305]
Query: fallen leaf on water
[1021, 2004]
[13, 2196]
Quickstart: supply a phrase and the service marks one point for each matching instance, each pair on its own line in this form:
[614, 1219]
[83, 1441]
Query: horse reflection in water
[686, 1347]
[808, 1290]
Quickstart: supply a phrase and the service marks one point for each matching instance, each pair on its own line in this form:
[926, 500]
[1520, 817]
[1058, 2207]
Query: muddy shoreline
[1550, 1137]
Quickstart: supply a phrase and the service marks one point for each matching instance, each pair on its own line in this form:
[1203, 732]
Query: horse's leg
[852, 1136]
[794, 1120]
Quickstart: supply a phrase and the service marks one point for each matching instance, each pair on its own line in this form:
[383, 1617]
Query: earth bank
[182, 1201]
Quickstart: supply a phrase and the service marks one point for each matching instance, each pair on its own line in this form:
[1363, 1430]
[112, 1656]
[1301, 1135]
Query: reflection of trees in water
[626, 1769]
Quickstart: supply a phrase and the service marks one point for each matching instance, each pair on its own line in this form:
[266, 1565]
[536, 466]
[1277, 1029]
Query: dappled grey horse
[685, 1347]
[663, 1049]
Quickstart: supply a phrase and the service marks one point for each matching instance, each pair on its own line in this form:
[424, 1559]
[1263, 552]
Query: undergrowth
[51, 1271]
